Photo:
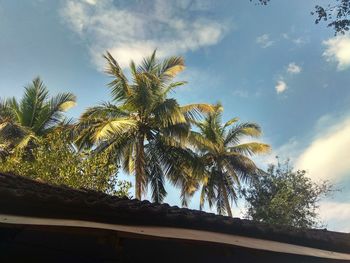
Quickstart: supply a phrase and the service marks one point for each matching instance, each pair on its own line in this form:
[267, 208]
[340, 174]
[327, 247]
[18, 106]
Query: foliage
[226, 159]
[35, 115]
[142, 128]
[285, 197]
[337, 14]
[55, 160]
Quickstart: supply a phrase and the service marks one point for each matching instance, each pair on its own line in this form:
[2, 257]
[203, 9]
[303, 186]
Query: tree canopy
[225, 158]
[285, 197]
[142, 128]
[56, 160]
[336, 14]
[34, 115]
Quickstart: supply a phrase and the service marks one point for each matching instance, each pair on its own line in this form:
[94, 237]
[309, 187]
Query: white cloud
[133, 32]
[299, 41]
[336, 215]
[328, 155]
[91, 2]
[293, 68]
[338, 50]
[281, 86]
[264, 41]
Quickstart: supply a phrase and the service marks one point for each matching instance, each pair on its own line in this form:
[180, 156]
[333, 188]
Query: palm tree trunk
[139, 167]
[227, 203]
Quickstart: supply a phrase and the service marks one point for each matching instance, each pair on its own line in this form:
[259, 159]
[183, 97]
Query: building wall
[38, 244]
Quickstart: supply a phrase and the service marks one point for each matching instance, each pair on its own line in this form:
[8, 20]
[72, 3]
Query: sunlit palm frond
[195, 111]
[250, 148]
[235, 134]
[230, 122]
[170, 67]
[63, 102]
[116, 126]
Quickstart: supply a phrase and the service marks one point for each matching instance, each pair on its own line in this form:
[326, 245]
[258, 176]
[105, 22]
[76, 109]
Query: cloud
[281, 86]
[297, 41]
[328, 155]
[336, 214]
[338, 50]
[293, 68]
[91, 2]
[264, 41]
[129, 31]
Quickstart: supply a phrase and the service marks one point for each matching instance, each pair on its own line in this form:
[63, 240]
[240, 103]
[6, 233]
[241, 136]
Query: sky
[266, 64]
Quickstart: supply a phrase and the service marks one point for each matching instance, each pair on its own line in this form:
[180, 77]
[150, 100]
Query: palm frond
[243, 166]
[117, 147]
[250, 148]
[34, 98]
[172, 86]
[230, 122]
[104, 110]
[113, 126]
[201, 143]
[6, 112]
[120, 88]
[63, 102]
[202, 197]
[170, 68]
[195, 111]
[155, 175]
[245, 129]
[168, 113]
[149, 64]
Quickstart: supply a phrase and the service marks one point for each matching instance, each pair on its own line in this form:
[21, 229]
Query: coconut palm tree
[226, 160]
[22, 122]
[142, 128]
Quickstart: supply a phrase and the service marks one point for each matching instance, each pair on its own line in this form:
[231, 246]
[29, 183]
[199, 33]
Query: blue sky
[271, 65]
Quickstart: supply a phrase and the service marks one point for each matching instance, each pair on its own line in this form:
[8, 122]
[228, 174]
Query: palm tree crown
[34, 115]
[226, 160]
[142, 124]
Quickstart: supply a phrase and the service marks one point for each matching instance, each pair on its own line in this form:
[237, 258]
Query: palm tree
[36, 114]
[142, 128]
[226, 160]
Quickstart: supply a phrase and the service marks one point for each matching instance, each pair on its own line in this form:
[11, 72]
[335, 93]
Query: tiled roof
[26, 197]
